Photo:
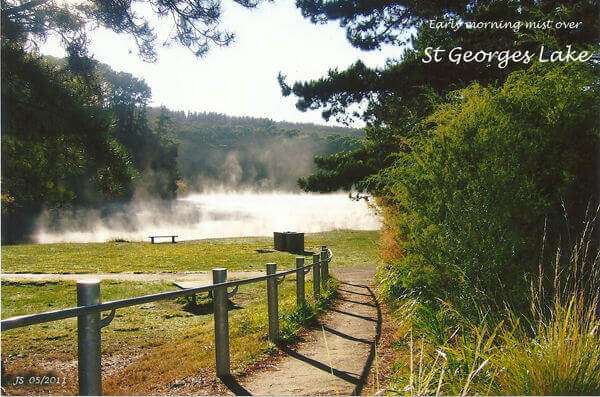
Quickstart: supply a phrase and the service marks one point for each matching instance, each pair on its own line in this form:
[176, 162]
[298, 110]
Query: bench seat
[170, 235]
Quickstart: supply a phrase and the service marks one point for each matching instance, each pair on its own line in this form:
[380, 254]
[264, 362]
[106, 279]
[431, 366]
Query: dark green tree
[195, 23]
[55, 130]
[406, 89]
[63, 139]
[243, 152]
[153, 152]
[495, 172]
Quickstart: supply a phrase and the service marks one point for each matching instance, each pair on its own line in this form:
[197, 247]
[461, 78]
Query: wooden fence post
[316, 277]
[272, 303]
[221, 322]
[88, 340]
[300, 281]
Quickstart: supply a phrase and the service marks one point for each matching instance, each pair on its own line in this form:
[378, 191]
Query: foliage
[371, 24]
[111, 146]
[563, 356]
[492, 167]
[563, 359]
[76, 138]
[153, 152]
[341, 169]
[76, 132]
[398, 94]
[479, 168]
[55, 130]
[195, 24]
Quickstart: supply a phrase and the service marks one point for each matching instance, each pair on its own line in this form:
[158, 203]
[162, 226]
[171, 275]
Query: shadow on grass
[202, 307]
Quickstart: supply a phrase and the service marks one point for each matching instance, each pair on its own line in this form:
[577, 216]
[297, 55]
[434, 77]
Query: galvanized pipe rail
[89, 321]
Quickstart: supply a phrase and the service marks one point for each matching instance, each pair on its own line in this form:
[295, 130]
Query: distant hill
[216, 150]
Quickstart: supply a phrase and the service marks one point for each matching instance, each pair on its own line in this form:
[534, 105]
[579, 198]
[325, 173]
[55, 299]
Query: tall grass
[563, 357]
[555, 349]
[292, 321]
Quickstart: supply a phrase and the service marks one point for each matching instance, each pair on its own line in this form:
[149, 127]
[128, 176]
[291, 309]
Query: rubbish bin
[294, 242]
[288, 241]
[279, 241]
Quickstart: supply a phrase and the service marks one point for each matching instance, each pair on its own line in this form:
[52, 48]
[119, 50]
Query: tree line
[224, 152]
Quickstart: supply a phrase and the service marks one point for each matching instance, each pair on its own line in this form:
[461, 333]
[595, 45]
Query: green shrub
[490, 171]
[553, 351]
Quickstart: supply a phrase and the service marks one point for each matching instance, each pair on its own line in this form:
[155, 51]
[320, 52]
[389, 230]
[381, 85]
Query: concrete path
[182, 279]
[335, 357]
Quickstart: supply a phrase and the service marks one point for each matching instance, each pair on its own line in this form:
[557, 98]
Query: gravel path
[336, 356]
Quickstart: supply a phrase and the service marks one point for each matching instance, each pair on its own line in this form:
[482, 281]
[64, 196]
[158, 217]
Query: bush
[490, 171]
[553, 350]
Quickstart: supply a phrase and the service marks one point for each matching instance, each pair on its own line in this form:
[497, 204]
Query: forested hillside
[220, 151]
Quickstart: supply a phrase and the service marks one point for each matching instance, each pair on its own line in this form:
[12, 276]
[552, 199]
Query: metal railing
[89, 307]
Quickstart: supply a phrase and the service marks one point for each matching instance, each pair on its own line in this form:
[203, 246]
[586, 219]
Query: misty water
[209, 215]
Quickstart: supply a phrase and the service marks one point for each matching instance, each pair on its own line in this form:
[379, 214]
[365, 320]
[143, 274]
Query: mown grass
[149, 347]
[350, 248]
[159, 347]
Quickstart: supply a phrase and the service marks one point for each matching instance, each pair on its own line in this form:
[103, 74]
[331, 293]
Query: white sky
[240, 79]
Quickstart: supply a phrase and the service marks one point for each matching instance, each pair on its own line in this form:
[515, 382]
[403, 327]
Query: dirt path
[336, 356]
[183, 279]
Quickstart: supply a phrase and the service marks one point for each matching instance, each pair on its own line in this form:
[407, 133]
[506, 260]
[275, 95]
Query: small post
[316, 277]
[88, 340]
[272, 303]
[324, 265]
[221, 322]
[299, 281]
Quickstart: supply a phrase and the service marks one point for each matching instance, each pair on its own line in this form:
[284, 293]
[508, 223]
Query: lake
[209, 215]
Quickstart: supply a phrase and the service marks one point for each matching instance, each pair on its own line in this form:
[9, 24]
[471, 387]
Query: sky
[240, 79]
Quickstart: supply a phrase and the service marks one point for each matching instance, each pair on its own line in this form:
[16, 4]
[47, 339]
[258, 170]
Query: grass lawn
[350, 248]
[156, 348]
